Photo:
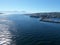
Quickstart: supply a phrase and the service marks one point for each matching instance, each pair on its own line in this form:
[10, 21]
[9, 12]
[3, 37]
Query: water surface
[17, 29]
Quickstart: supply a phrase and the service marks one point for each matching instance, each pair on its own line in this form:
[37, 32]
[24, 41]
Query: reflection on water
[5, 34]
[25, 30]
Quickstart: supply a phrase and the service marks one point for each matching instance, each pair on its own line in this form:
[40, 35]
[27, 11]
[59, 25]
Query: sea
[20, 29]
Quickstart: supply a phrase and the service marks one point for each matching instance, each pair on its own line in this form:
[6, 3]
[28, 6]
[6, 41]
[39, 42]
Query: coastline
[50, 20]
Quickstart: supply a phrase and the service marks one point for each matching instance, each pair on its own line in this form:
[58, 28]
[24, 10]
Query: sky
[30, 5]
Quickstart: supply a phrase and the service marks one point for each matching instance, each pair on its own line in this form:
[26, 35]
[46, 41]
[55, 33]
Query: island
[1, 13]
[53, 17]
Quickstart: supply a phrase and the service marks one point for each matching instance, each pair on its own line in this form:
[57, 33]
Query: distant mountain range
[46, 14]
[13, 12]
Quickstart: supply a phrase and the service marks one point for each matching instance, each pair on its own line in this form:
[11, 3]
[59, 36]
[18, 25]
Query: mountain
[13, 12]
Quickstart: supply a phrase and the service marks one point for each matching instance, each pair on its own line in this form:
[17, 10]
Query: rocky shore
[47, 17]
[50, 20]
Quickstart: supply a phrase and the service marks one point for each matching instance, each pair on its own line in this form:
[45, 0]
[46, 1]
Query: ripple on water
[5, 34]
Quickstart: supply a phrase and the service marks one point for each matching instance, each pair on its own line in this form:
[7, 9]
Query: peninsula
[47, 17]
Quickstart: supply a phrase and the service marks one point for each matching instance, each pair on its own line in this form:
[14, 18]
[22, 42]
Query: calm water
[24, 30]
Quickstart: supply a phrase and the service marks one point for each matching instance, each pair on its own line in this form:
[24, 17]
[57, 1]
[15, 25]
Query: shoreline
[50, 20]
